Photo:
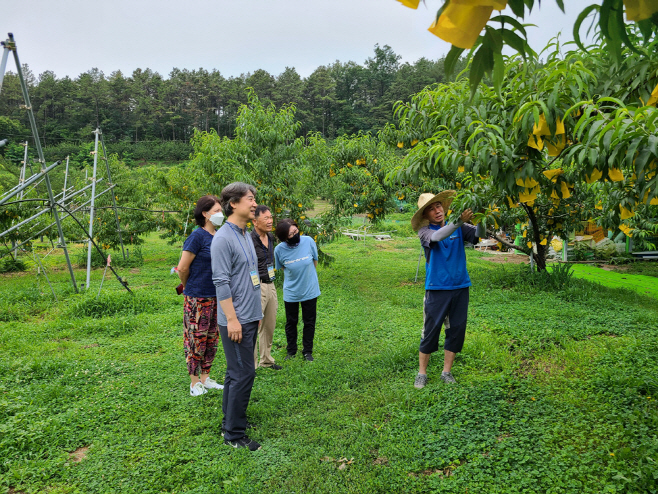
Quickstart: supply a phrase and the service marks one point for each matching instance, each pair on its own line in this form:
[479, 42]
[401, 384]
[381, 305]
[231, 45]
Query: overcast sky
[72, 36]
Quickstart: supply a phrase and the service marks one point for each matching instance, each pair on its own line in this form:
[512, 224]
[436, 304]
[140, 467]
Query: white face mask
[217, 219]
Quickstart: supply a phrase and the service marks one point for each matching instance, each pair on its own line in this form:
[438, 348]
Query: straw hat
[445, 198]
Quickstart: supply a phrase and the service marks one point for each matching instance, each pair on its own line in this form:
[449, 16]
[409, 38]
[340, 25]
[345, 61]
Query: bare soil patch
[505, 258]
[448, 471]
[79, 454]
[534, 367]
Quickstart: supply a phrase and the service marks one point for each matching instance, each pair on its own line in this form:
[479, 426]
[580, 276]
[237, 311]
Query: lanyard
[245, 252]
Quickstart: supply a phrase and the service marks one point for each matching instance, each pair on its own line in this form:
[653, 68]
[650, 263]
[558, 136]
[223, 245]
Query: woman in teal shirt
[297, 257]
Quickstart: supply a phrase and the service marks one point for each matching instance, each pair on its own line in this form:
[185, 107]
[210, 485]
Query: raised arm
[446, 231]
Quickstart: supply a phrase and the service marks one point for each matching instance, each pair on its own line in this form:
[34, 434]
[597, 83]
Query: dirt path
[505, 257]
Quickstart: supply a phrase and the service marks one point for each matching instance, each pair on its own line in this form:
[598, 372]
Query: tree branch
[509, 244]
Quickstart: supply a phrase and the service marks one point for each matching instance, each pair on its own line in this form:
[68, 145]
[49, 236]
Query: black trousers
[309, 312]
[239, 379]
[449, 308]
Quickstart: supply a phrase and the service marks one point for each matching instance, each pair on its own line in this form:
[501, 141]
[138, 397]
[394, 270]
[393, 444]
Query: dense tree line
[337, 99]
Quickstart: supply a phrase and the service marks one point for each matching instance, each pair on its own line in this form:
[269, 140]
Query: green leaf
[517, 7]
[618, 28]
[506, 19]
[498, 73]
[591, 133]
[579, 21]
[610, 28]
[514, 41]
[646, 28]
[606, 140]
[641, 161]
[652, 144]
[630, 152]
[483, 58]
[451, 59]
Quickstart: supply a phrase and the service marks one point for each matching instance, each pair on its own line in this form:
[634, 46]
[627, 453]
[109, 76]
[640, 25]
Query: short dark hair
[233, 193]
[203, 204]
[261, 208]
[283, 228]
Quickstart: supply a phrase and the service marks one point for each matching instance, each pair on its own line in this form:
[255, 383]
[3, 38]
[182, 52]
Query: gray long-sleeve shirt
[233, 257]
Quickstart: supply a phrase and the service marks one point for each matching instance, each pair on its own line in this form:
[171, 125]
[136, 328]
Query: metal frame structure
[62, 203]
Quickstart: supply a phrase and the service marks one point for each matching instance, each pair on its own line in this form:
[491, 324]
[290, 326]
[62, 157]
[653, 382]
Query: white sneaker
[197, 389]
[211, 384]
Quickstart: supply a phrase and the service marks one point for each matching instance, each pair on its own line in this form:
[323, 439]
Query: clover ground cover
[556, 388]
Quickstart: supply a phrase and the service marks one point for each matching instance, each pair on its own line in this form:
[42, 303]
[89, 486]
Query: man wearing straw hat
[446, 280]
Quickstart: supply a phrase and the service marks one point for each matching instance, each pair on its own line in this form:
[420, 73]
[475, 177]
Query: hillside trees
[341, 98]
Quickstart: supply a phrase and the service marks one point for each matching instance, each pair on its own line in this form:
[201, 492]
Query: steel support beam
[91, 211]
[42, 160]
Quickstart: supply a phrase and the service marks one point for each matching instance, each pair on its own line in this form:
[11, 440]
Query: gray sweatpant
[239, 379]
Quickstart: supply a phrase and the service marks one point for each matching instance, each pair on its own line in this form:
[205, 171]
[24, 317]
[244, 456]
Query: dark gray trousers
[239, 379]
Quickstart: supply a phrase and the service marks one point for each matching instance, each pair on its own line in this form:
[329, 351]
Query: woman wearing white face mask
[201, 333]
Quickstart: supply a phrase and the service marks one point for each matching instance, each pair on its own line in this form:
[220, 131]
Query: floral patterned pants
[201, 333]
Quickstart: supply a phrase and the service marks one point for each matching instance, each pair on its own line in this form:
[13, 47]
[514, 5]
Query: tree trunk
[540, 256]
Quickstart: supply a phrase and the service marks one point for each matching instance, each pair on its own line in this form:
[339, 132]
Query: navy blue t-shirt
[199, 283]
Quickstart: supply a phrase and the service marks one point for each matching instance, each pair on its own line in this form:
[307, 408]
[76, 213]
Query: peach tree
[538, 144]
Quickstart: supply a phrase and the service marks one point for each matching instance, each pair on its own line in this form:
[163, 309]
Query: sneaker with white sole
[447, 377]
[212, 384]
[197, 389]
[243, 442]
[420, 381]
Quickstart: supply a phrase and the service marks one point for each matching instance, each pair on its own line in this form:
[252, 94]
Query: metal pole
[91, 211]
[23, 170]
[418, 267]
[114, 200]
[50, 226]
[565, 254]
[3, 64]
[102, 280]
[27, 183]
[18, 225]
[42, 159]
[35, 216]
[66, 175]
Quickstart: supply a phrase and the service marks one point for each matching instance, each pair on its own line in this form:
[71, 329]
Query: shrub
[10, 265]
[556, 278]
[114, 304]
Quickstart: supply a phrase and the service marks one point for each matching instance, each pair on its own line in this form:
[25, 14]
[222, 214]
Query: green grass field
[557, 388]
[641, 283]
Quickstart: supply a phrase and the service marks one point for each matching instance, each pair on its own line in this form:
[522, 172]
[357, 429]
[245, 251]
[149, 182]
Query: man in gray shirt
[235, 275]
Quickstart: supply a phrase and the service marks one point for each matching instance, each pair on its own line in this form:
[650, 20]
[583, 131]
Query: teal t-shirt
[300, 278]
